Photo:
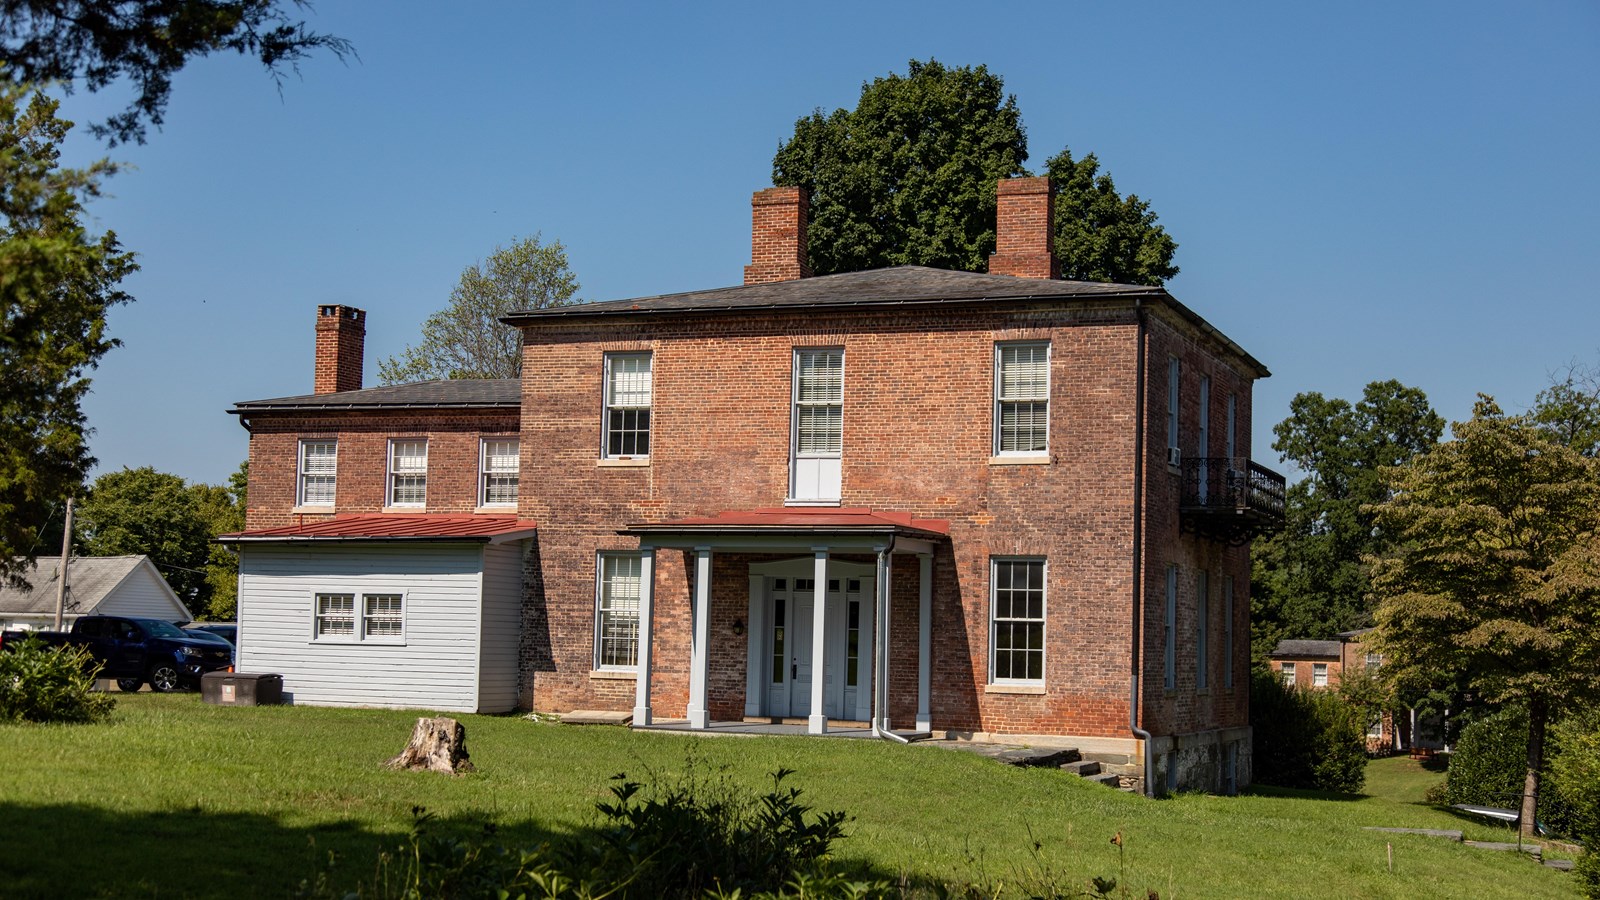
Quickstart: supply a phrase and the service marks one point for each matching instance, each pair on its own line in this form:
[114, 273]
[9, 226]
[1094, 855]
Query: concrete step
[1105, 778]
[1083, 767]
[1039, 757]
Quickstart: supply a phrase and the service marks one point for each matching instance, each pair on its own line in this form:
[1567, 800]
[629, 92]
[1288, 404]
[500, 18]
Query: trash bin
[238, 689]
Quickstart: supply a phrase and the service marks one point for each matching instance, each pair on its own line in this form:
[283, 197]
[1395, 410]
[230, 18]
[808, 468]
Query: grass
[174, 798]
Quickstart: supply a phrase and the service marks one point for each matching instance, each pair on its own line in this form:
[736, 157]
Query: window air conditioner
[1174, 456]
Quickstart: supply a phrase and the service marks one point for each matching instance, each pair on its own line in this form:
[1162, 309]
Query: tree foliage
[57, 281]
[1493, 577]
[101, 42]
[466, 338]
[222, 509]
[1310, 580]
[1305, 739]
[908, 178]
[1569, 409]
[142, 511]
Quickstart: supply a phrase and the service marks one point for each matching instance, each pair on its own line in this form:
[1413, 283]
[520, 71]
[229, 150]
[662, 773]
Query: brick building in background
[1026, 503]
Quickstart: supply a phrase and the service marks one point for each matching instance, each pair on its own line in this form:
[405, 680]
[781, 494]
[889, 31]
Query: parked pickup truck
[134, 651]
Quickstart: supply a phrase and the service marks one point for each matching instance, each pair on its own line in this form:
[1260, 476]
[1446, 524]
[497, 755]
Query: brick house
[1026, 503]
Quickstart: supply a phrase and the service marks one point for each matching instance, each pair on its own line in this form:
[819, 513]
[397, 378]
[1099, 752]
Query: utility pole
[66, 557]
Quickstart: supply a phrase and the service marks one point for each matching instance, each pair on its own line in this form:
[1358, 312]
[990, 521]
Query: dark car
[228, 631]
[212, 637]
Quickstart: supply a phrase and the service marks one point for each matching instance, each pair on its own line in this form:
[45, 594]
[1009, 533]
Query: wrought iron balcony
[1232, 500]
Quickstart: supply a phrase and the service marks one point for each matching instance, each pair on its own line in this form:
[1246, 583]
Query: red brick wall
[362, 476]
[917, 438]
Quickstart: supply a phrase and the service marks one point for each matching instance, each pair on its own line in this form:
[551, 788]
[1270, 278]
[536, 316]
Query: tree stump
[437, 745]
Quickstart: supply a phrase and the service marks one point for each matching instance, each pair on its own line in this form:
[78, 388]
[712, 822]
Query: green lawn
[178, 799]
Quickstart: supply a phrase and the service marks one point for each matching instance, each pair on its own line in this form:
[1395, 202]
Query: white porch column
[699, 658]
[647, 591]
[924, 639]
[755, 682]
[818, 722]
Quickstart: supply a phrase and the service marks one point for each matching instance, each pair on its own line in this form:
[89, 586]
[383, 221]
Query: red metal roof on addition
[391, 527]
[799, 517]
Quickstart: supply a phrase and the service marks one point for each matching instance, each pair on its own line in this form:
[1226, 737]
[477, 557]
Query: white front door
[847, 654]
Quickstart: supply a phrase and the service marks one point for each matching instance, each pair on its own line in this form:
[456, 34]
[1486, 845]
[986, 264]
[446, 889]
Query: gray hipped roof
[1294, 649]
[457, 393]
[91, 578]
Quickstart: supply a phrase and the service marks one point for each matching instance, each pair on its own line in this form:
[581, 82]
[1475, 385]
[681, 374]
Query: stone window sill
[1019, 460]
[612, 675]
[312, 511]
[1035, 689]
[623, 462]
[409, 510]
[504, 509]
[792, 502]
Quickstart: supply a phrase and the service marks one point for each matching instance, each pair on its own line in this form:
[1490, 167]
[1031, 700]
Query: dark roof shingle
[448, 393]
[1299, 649]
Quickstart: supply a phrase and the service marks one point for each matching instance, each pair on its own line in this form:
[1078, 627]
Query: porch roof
[393, 527]
[793, 525]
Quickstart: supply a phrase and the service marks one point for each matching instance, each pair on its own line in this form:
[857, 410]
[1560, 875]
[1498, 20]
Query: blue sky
[1359, 191]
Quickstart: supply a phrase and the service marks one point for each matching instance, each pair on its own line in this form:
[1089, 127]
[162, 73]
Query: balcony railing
[1231, 499]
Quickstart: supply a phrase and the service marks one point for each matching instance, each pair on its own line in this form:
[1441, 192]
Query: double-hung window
[498, 467]
[348, 616]
[616, 644]
[1170, 632]
[1319, 674]
[1202, 633]
[627, 421]
[1022, 399]
[408, 473]
[1016, 621]
[1174, 455]
[1287, 671]
[818, 439]
[318, 466]
[1227, 632]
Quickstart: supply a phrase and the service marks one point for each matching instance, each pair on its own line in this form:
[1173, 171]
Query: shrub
[1575, 776]
[40, 683]
[1490, 764]
[1306, 739]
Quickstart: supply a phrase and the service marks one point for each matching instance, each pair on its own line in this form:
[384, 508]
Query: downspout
[1138, 550]
[880, 640]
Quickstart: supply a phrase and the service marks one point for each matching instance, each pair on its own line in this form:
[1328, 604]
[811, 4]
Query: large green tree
[1492, 579]
[57, 280]
[145, 43]
[908, 177]
[1310, 580]
[466, 339]
[222, 509]
[143, 511]
[1568, 410]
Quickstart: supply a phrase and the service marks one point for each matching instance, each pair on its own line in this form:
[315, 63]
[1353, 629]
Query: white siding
[501, 626]
[143, 594]
[435, 668]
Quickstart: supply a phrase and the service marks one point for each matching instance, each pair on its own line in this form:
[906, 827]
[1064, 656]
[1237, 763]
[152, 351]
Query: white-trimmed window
[1287, 671]
[1021, 399]
[1227, 631]
[818, 439]
[1375, 726]
[616, 632]
[498, 466]
[1016, 621]
[1202, 632]
[1173, 455]
[1319, 674]
[1374, 660]
[318, 468]
[408, 473]
[1170, 632]
[628, 398]
[349, 616]
[336, 616]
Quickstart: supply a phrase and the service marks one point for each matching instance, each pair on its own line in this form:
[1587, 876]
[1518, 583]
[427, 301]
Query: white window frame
[390, 486]
[1227, 631]
[1374, 660]
[601, 610]
[1173, 387]
[796, 407]
[1202, 632]
[611, 404]
[1319, 674]
[303, 472]
[1286, 670]
[360, 616]
[1002, 399]
[484, 472]
[1170, 635]
[1042, 619]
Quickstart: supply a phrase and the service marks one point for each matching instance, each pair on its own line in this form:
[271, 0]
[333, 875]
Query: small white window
[1227, 631]
[1374, 660]
[408, 473]
[1022, 399]
[383, 616]
[1016, 621]
[1172, 410]
[1319, 674]
[318, 467]
[1202, 635]
[1287, 671]
[498, 466]
[617, 612]
[1375, 727]
[1170, 635]
[817, 443]
[628, 400]
[336, 616]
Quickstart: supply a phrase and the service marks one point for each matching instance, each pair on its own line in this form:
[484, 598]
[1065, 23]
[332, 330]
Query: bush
[1306, 739]
[40, 683]
[1575, 776]
[1490, 765]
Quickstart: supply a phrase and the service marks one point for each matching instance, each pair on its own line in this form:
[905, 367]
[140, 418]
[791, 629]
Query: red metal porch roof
[389, 527]
[801, 518]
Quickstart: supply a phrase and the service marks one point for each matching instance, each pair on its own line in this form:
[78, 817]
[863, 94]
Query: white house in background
[96, 586]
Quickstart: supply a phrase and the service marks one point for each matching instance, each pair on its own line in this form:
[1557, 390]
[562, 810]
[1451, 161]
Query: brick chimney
[341, 339]
[1024, 238]
[778, 220]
